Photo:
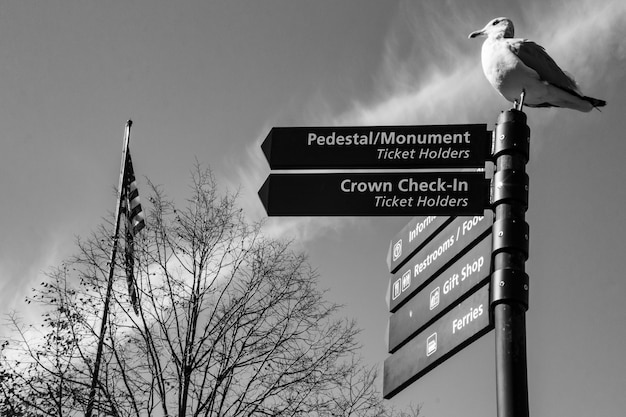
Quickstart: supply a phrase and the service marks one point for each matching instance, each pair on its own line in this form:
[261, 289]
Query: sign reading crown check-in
[375, 194]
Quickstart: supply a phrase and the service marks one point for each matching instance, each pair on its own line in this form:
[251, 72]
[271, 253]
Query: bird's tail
[572, 99]
[594, 101]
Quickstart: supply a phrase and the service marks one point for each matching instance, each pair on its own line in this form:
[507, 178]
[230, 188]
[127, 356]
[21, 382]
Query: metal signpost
[453, 278]
[509, 282]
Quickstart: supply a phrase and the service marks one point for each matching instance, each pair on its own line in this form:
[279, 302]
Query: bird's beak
[476, 34]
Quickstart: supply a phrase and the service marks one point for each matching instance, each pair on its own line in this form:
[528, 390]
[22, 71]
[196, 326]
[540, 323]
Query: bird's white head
[500, 27]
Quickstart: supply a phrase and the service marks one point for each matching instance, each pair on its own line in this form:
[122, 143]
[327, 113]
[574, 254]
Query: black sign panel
[437, 146]
[462, 325]
[416, 233]
[443, 249]
[452, 285]
[375, 194]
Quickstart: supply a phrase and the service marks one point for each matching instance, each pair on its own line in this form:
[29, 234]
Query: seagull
[520, 68]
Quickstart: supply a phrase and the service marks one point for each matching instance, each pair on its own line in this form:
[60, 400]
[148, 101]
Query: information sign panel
[452, 285]
[452, 332]
[454, 239]
[416, 233]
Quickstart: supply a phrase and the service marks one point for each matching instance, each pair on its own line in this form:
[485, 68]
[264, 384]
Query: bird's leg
[519, 106]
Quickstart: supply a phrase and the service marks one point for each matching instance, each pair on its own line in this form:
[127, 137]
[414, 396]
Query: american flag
[134, 224]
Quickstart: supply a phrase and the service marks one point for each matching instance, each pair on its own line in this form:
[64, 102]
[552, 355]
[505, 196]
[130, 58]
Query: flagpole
[105, 313]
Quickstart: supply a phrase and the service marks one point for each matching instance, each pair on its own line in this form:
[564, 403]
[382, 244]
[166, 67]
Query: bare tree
[230, 323]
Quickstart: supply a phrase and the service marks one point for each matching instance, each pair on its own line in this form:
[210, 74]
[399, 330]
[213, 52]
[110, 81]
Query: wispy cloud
[405, 92]
[18, 278]
[250, 177]
[583, 36]
[430, 74]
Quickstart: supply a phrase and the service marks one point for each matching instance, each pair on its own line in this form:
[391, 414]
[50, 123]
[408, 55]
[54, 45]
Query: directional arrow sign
[456, 329]
[453, 240]
[416, 233]
[439, 146]
[375, 194]
[451, 286]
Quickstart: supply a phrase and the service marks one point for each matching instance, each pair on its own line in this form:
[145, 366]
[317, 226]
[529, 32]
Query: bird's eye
[495, 22]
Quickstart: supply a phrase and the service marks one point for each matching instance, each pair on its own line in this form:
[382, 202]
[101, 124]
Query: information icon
[397, 250]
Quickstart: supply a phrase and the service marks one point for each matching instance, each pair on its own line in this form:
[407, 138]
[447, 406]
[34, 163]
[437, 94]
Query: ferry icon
[431, 344]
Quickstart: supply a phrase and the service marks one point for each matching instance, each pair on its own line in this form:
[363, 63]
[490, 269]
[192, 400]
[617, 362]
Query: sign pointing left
[392, 147]
[376, 194]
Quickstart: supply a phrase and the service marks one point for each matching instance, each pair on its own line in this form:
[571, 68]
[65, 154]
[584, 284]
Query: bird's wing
[535, 57]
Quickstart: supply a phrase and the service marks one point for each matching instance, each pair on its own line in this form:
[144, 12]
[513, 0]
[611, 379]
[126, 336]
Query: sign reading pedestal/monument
[392, 147]
[376, 194]
[452, 332]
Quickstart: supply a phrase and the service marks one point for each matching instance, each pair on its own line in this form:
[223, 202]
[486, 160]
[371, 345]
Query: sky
[206, 80]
